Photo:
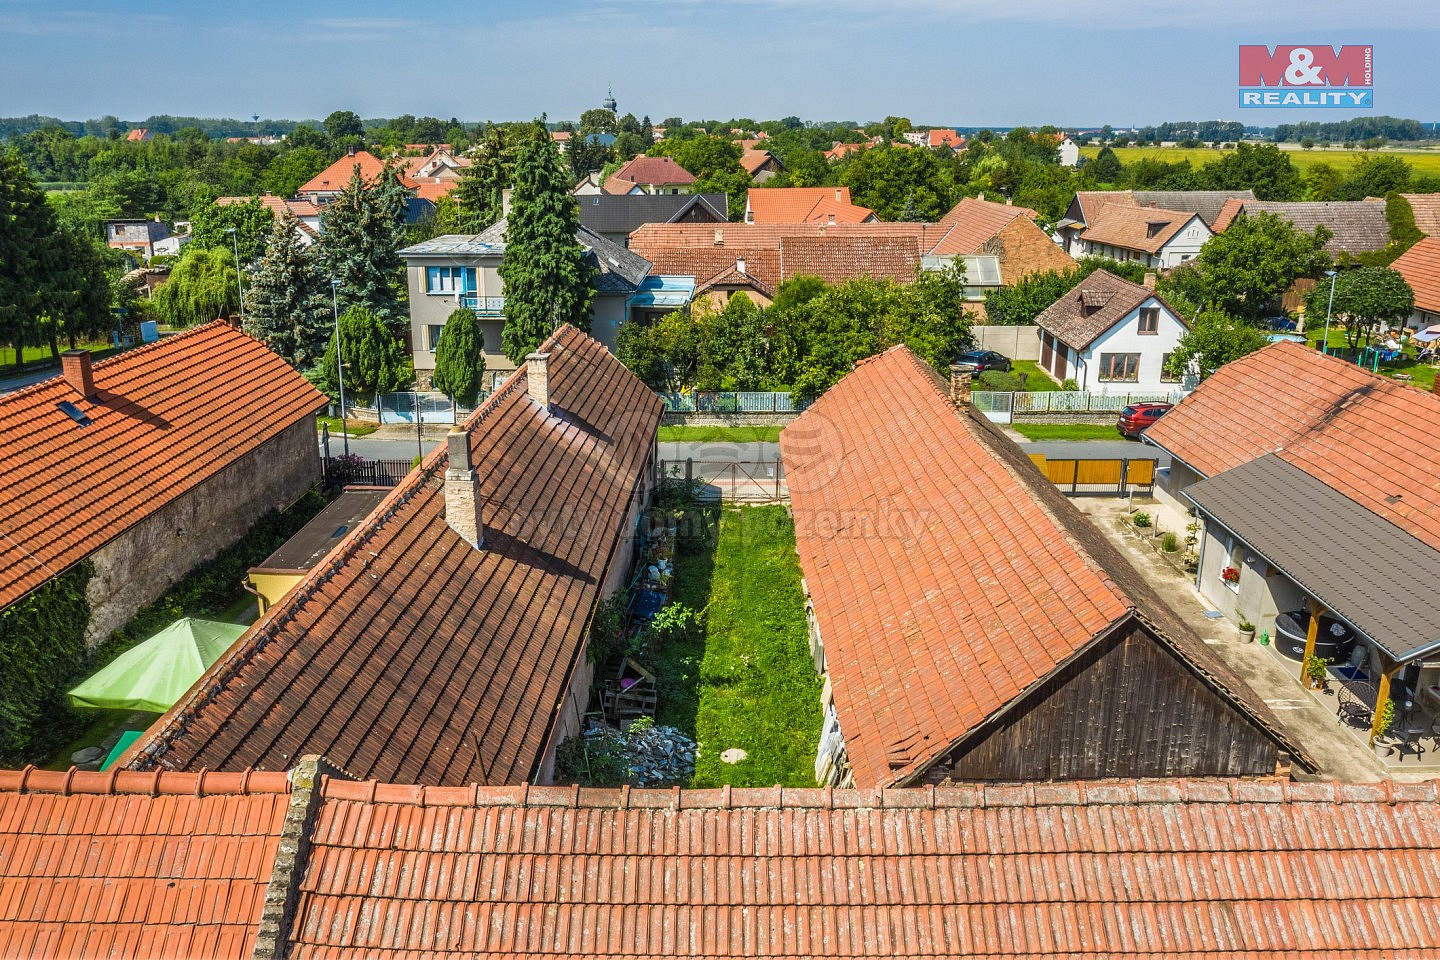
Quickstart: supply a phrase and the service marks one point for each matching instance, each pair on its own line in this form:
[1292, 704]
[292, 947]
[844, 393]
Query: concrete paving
[1308, 721]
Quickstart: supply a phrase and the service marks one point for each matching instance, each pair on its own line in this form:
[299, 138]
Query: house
[944, 139]
[804, 205]
[971, 624]
[1214, 207]
[590, 185]
[1420, 266]
[839, 151]
[326, 185]
[455, 270]
[171, 246]
[124, 464]
[760, 164]
[1259, 483]
[1149, 235]
[137, 236]
[977, 228]
[437, 164]
[306, 213]
[644, 174]
[278, 573]
[235, 866]
[139, 135]
[444, 640]
[1356, 226]
[616, 216]
[1109, 334]
[1069, 152]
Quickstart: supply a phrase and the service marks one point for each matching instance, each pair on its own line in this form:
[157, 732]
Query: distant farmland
[1423, 161]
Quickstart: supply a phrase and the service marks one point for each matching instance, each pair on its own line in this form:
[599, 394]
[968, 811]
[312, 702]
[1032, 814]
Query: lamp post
[340, 365]
[1330, 306]
[235, 242]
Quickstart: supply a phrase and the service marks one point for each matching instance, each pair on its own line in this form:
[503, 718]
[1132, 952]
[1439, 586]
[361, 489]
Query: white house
[1069, 153]
[1111, 335]
[1148, 235]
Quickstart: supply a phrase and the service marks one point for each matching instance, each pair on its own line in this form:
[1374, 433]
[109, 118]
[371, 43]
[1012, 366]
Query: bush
[607, 630]
[1141, 519]
[1169, 542]
[42, 654]
[1000, 380]
[597, 761]
[1070, 384]
[676, 623]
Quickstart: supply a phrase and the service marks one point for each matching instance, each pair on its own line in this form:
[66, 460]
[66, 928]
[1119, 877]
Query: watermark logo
[1316, 75]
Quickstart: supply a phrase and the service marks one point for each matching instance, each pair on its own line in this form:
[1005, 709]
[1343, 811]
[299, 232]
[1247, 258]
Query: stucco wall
[1124, 337]
[1017, 343]
[141, 564]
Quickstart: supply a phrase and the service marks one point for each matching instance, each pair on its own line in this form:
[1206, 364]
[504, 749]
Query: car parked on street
[1136, 417]
[978, 361]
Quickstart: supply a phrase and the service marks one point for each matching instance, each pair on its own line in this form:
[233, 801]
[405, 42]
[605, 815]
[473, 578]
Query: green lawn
[1422, 161]
[356, 428]
[749, 683]
[1038, 380]
[1066, 431]
[37, 354]
[721, 434]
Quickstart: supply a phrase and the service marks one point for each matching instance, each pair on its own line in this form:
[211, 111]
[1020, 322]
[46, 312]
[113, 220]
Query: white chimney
[462, 491]
[504, 202]
[719, 236]
[1149, 281]
[537, 378]
[739, 264]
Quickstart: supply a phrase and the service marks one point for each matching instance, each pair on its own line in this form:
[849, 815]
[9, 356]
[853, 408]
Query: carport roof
[1363, 568]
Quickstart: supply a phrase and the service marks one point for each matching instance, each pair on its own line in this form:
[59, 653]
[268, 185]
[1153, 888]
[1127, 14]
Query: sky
[940, 62]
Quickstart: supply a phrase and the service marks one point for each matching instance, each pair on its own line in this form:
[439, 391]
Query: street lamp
[235, 241]
[1331, 274]
[340, 365]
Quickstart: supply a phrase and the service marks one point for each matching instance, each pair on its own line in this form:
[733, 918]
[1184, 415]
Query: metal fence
[732, 480]
[410, 407]
[355, 470]
[754, 401]
[1001, 406]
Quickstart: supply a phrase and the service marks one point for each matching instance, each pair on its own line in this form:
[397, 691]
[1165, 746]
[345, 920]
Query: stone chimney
[1149, 280]
[462, 491]
[1435, 387]
[739, 264]
[959, 385]
[537, 378]
[75, 366]
[505, 202]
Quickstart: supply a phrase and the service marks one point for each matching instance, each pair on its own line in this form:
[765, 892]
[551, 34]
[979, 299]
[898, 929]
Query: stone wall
[140, 564]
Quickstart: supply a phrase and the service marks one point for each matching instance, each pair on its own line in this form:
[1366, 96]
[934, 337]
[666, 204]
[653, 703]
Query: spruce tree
[360, 237]
[480, 195]
[459, 358]
[76, 297]
[287, 301]
[547, 274]
[26, 224]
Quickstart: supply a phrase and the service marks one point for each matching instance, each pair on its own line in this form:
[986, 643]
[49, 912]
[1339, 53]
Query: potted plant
[1315, 671]
[1383, 723]
[1247, 631]
[1230, 575]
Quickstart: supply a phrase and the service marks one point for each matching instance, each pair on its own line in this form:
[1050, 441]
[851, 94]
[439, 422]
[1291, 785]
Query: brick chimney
[462, 491]
[75, 366]
[959, 385]
[537, 378]
[1149, 280]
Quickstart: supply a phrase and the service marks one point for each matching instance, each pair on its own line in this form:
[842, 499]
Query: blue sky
[963, 62]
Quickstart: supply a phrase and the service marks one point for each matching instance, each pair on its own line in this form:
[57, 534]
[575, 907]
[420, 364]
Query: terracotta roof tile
[276, 205]
[973, 222]
[407, 645]
[648, 170]
[753, 160]
[1202, 870]
[1426, 207]
[334, 177]
[774, 253]
[1420, 266]
[152, 436]
[803, 205]
[1146, 229]
[1228, 212]
[135, 865]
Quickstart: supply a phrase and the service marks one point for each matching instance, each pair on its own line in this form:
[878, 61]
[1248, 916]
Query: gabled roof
[648, 170]
[753, 160]
[1356, 226]
[136, 865]
[972, 222]
[836, 259]
[944, 138]
[1095, 305]
[803, 205]
[152, 436]
[1426, 207]
[662, 236]
[947, 576]
[1420, 266]
[277, 205]
[412, 656]
[1207, 204]
[1227, 215]
[774, 255]
[624, 213]
[1146, 229]
[334, 177]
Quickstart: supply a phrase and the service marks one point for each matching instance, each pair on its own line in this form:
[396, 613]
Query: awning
[155, 673]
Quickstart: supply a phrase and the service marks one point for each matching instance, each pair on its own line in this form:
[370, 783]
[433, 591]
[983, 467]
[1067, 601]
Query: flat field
[1423, 161]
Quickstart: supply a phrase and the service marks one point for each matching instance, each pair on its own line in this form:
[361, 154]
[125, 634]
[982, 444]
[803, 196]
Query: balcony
[483, 306]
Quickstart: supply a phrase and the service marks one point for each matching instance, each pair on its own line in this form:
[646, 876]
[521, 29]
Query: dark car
[978, 361]
[1138, 416]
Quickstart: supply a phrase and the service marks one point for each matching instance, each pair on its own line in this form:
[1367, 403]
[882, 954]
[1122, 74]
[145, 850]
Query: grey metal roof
[624, 213]
[620, 270]
[1358, 226]
[1364, 569]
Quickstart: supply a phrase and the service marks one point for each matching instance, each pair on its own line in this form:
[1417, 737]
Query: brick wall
[141, 564]
[1023, 249]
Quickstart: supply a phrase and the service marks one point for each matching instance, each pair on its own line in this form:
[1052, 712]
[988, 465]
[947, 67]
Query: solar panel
[73, 412]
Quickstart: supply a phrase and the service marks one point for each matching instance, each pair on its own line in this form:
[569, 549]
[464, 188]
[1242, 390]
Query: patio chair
[1354, 704]
[1399, 743]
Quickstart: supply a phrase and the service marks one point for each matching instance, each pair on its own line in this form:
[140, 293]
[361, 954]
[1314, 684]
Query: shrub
[676, 623]
[1169, 542]
[607, 630]
[1000, 380]
[42, 653]
[1141, 519]
[1070, 384]
[597, 761]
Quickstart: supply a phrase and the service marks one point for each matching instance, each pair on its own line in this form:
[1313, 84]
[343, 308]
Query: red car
[1138, 416]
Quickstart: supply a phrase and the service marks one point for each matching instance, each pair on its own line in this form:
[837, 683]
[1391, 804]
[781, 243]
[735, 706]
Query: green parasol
[154, 674]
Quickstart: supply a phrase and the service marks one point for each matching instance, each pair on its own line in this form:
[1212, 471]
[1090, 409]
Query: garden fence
[752, 401]
[407, 407]
[1001, 406]
[731, 480]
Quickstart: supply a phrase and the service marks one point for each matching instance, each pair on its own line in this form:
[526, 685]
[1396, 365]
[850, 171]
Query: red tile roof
[135, 865]
[803, 205]
[434, 188]
[334, 177]
[945, 138]
[407, 646]
[1420, 266]
[1212, 869]
[1146, 229]
[971, 223]
[276, 205]
[153, 436]
[648, 170]
[775, 256]
[1321, 415]
[753, 160]
[1229, 210]
[664, 236]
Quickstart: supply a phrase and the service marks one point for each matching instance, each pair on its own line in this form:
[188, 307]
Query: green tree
[1256, 259]
[359, 245]
[1374, 176]
[293, 169]
[76, 295]
[375, 360]
[1264, 168]
[715, 162]
[886, 178]
[287, 301]
[1321, 182]
[343, 125]
[547, 275]
[26, 225]
[598, 120]
[460, 358]
[1214, 339]
[252, 221]
[480, 194]
[1106, 167]
[201, 288]
[1365, 298]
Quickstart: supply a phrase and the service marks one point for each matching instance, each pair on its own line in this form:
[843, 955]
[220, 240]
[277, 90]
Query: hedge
[42, 652]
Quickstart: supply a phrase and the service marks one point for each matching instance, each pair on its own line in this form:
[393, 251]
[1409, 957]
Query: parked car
[1138, 416]
[979, 361]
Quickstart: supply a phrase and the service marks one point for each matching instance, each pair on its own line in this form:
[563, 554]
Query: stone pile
[658, 755]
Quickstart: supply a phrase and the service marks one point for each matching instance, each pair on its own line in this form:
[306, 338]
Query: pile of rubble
[651, 755]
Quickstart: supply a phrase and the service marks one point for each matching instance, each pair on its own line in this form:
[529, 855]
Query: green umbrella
[154, 674]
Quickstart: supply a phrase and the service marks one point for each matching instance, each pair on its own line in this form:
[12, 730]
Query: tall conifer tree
[287, 302]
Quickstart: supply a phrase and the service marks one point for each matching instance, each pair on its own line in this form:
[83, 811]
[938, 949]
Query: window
[449, 279]
[1119, 367]
[1165, 375]
[119, 229]
[1150, 320]
[432, 333]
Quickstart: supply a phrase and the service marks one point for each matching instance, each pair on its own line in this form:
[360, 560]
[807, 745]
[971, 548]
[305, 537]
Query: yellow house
[284, 568]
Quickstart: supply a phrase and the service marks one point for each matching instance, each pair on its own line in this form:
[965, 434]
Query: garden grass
[1421, 161]
[749, 682]
[356, 428]
[42, 353]
[765, 434]
[1038, 380]
[1066, 431]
